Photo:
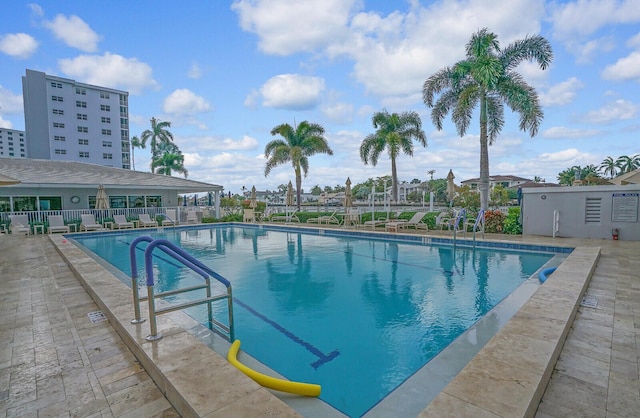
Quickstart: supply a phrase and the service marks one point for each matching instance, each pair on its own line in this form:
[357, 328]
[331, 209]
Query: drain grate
[96, 317]
[589, 302]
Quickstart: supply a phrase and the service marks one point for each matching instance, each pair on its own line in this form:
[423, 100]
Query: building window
[61, 152]
[56, 85]
[81, 91]
[50, 202]
[81, 116]
[83, 129]
[104, 95]
[154, 201]
[57, 98]
[106, 119]
[107, 156]
[106, 108]
[106, 132]
[83, 141]
[124, 121]
[58, 112]
[81, 103]
[58, 125]
[83, 154]
[59, 138]
[107, 144]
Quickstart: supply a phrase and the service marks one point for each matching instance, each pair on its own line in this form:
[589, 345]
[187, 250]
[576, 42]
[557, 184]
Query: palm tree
[296, 146]
[169, 158]
[627, 163]
[487, 78]
[135, 143]
[157, 135]
[610, 167]
[395, 133]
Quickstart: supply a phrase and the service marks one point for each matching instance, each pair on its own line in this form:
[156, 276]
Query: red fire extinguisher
[615, 233]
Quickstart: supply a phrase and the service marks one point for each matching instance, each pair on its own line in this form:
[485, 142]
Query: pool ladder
[189, 261]
[462, 219]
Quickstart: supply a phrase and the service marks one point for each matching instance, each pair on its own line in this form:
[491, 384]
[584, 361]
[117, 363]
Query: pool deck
[54, 361]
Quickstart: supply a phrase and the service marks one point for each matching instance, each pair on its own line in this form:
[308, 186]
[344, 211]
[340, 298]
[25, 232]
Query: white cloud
[562, 93]
[292, 91]
[36, 10]
[195, 71]
[110, 70]
[18, 45]
[634, 41]
[627, 68]
[584, 17]
[214, 143]
[288, 26]
[10, 103]
[617, 110]
[563, 132]
[184, 101]
[74, 32]
[6, 124]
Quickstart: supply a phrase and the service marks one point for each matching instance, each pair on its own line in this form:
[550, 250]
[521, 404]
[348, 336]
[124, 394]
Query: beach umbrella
[451, 188]
[253, 202]
[290, 199]
[7, 181]
[102, 202]
[348, 198]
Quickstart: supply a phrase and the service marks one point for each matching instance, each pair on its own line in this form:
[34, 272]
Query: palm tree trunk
[483, 186]
[394, 180]
[298, 186]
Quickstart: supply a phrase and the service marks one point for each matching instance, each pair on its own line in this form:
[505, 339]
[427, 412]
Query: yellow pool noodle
[298, 388]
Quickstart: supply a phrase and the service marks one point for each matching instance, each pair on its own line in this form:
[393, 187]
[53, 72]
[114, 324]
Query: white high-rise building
[70, 121]
[12, 143]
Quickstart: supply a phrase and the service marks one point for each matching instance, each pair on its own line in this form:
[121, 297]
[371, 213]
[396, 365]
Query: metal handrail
[194, 264]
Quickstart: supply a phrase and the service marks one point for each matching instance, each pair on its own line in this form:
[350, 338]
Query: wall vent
[593, 210]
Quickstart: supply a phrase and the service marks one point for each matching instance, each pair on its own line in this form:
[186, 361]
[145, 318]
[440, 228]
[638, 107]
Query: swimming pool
[356, 315]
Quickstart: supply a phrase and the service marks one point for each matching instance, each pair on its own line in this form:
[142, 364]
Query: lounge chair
[56, 224]
[374, 223]
[414, 222]
[120, 222]
[249, 216]
[145, 221]
[283, 217]
[89, 223]
[19, 224]
[325, 219]
[192, 217]
[444, 219]
[171, 218]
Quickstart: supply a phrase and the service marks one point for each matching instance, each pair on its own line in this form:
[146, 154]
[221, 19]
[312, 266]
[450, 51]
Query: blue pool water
[355, 315]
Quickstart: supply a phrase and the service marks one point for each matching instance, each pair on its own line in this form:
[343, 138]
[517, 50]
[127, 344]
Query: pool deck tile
[55, 362]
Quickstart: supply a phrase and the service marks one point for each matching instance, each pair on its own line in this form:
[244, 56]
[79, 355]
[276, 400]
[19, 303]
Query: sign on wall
[625, 207]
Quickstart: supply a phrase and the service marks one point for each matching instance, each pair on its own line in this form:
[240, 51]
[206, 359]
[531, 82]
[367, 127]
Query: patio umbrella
[7, 181]
[450, 186]
[290, 200]
[348, 198]
[253, 202]
[102, 202]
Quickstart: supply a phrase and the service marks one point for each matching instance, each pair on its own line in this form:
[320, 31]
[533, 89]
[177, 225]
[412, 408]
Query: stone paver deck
[55, 362]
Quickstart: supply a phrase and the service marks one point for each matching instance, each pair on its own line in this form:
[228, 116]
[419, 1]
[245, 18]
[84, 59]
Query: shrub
[493, 220]
[512, 222]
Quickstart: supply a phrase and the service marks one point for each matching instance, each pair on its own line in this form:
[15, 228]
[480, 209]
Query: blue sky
[224, 73]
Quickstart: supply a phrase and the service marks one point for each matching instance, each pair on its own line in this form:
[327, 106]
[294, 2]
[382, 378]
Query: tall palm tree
[627, 163]
[135, 143]
[609, 167]
[296, 146]
[486, 78]
[395, 133]
[157, 135]
[168, 160]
